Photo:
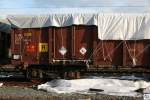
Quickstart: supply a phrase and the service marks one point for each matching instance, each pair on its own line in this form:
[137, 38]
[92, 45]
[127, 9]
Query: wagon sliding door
[62, 43]
[73, 42]
[82, 42]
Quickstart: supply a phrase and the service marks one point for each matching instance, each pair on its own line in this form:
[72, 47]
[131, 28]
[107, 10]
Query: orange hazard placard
[31, 48]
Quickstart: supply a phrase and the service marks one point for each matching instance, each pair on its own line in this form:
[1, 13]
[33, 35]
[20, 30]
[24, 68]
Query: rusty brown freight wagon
[67, 38]
[75, 48]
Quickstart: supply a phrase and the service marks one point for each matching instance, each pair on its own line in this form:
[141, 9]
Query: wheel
[34, 74]
[71, 75]
[28, 73]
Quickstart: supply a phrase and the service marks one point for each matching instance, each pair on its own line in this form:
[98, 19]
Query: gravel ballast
[20, 93]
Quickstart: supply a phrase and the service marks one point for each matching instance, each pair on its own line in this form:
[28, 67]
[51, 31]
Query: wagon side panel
[62, 43]
[136, 53]
[82, 42]
[108, 52]
[43, 46]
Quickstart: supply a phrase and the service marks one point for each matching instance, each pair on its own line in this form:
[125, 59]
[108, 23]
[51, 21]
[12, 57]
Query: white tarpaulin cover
[111, 86]
[116, 19]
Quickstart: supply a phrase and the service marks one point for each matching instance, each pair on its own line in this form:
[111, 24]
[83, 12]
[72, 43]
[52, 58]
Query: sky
[12, 4]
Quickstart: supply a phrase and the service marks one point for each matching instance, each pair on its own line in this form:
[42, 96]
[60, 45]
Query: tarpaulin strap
[62, 41]
[143, 50]
[103, 52]
[131, 56]
[98, 48]
[54, 41]
[74, 40]
[112, 51]
[94, 51]
[108, 54]
[134, 59]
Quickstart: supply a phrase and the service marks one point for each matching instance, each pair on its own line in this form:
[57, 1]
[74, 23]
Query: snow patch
[111, 86]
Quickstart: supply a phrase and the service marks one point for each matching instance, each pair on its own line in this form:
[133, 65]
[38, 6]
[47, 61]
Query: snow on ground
[122, 86]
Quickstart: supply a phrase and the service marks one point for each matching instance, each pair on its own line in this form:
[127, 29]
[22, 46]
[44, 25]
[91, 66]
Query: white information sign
[146, 96]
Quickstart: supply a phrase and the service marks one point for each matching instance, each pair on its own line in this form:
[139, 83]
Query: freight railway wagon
[66, 38]
[67, 51]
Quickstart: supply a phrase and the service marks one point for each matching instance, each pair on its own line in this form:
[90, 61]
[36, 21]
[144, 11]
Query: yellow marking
[27, 34]
[43, 47]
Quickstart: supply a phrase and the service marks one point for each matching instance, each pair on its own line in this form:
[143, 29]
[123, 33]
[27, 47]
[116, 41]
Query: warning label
[43, 47]
[27, 34]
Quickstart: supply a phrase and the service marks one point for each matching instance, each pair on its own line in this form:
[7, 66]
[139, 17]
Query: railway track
[19, 81]
[18, 84]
